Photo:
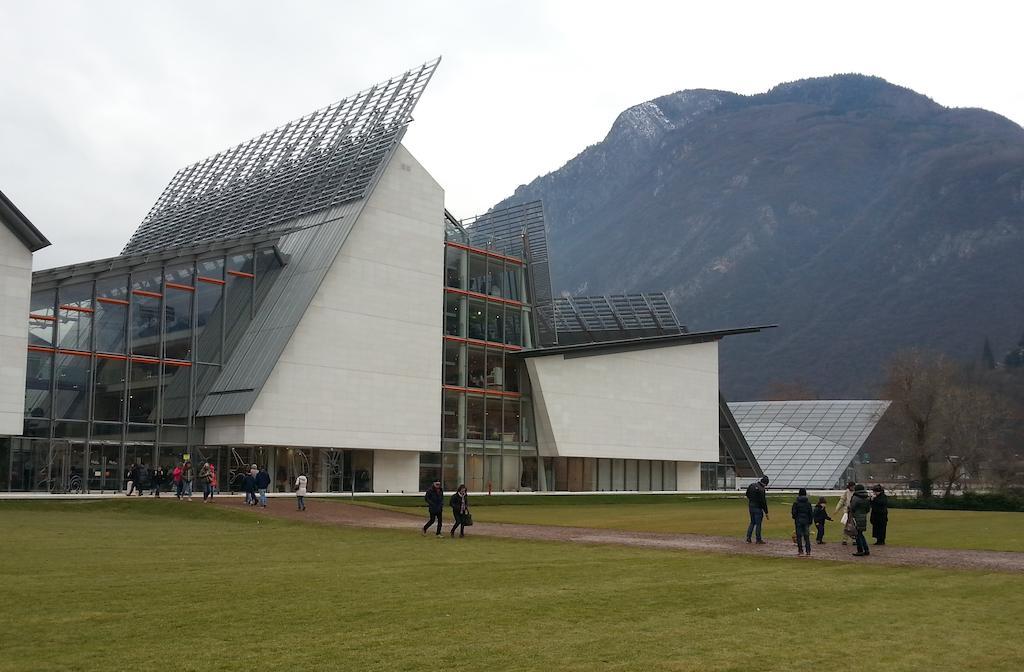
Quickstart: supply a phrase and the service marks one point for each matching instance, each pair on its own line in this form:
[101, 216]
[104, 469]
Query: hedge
[968, 501]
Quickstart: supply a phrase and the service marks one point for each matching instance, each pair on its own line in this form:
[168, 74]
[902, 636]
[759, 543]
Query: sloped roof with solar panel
[322, 160]
[582, 319]
[806, 444]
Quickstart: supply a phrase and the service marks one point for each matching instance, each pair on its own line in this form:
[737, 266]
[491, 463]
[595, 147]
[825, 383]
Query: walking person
[249, 485]
[802, 514]
[757, 506]
[262, 483]
[843, 505]
[188, 475]
[859, 508]
[213, 481]
[435, 505]
[159, 478]
[820, 516]
[460, 510]
[176, 478]
[879, 514]
[133, 479]
[206, 475]
[300, 492]
[141, 477]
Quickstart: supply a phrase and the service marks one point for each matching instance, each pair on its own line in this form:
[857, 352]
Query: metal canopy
[326, 158]
[624, 345]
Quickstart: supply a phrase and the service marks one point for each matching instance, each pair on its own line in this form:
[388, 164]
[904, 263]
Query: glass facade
[117, 361]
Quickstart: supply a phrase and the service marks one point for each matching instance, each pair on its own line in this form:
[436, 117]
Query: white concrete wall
[688, 476]
[15, 289]
[363, 368]
[652, 404]
[225, 430]
[396, 471]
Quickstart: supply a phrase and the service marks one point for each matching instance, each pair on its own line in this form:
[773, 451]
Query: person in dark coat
[802, 515]
[249, 485]
[159, 478]
[133, 480]
[879, 515]
[460, 509]
[757, 506]
[820, 516]
[262, 484]
[435, 506]
[859, 508]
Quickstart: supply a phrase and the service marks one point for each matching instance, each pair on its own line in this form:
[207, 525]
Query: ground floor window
[591, 474]
[483, 466]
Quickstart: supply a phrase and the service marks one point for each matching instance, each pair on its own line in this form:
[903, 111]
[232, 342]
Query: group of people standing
[181, 478]
[459, 504]
[857, 507]
[255, 484]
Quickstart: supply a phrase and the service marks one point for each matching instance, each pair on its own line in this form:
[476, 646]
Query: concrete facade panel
[396, 471]
[16, 284]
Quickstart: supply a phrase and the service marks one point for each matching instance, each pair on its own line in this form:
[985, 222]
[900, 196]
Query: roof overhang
[646, 343]
[18, 223]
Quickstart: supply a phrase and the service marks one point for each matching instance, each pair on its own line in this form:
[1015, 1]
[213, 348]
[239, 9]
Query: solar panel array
[519, 231]
[806, 444]
[321, 160]
[624, 314]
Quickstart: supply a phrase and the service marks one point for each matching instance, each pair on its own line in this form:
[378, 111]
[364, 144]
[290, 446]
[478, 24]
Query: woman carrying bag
[460, 511]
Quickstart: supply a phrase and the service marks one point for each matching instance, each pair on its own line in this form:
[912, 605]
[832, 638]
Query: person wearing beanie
[802, 515]
[820, 516]
[757, 507]
[859, 508]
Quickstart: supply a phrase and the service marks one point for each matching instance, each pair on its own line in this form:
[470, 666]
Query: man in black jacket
[435, 505]
[879, 514]
[757, 505]
[802, 516]
[262, 484]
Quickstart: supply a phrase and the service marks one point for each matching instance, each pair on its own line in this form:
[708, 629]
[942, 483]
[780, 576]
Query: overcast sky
[101, 102]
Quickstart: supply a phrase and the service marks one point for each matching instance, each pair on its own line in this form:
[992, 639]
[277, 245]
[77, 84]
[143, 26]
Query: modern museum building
[305, 301]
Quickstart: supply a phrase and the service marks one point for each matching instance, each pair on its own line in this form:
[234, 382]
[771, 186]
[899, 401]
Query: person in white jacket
[300, 492]
[844, 505]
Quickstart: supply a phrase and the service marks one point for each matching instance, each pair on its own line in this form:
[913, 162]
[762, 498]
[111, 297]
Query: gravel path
[351, 515]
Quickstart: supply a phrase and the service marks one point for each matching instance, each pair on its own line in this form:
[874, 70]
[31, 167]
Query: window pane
[495, 323]
[476, 368]
[478, 273]
[40, 331]
[209, 311]
[492, 418]
[453, 273]
[513, 326]
[72, 387]
[453, 311]
[511, 376]
[477, 324]
[108, 398]
[453, 363]
[74, 324]
[496, 277]
[178, 324]
[176, 392]
[37, 384]
[145, 313]
[450, 414]
[143, 387]
[239, 300]
[495, 372]
[111, 314]
[474, 417]
[510, 420]
[513, 282]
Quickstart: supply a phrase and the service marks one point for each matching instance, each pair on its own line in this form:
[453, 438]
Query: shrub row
[968, 501]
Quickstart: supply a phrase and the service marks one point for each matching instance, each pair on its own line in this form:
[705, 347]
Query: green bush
[968, 501]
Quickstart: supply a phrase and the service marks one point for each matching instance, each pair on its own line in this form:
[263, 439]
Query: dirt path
[351, 515]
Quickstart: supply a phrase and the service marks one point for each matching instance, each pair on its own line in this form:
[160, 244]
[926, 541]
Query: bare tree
[917, 383]
[972, 418]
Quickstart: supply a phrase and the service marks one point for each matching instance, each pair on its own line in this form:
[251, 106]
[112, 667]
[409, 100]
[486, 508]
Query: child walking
[820, 516]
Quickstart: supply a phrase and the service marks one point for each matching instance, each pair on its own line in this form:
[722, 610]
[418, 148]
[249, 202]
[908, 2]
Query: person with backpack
[757, 506]
[300, 492]
[460, 510]
[859, 508]
[802, 515]
[262, 484]
[879, 514]
[434, 497]
[820, 516]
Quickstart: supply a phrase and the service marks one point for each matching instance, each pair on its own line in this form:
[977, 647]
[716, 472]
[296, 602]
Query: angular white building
[305, 301]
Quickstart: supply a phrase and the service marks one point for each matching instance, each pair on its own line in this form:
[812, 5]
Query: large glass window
[38, 377]
[492, 418]
[477, 321]
[209, 310]
[450, 414]
[510, 420]
[108, 397]
[176, 385]
[513, 326]
[72, 387]
[477, 373]
[178, 324]
[143, 390]
[511, 374]
[145, 313]
[513, 281]
[495, 323]
[454, 275]
[74, 323]
[478, 273]
[42, 319]
[239, 300]
[111, 314]
[453, 363]
[452, 467]
[474, 416]
[495, 372]
[496, 277]
[453, 312]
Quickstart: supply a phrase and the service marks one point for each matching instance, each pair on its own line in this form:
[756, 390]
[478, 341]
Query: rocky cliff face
[860, 216]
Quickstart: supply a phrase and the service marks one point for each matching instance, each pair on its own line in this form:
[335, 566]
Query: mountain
[860, 216]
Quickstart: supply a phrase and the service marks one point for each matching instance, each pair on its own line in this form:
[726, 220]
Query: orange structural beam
[473, 341]
[241, 274]
[212, 281]
[45, 318]
[480, 390]
[175, 285]
[484, 252]
[39, 348]
[143, 292]
[78, 309]
[116, 302]
[479, 295]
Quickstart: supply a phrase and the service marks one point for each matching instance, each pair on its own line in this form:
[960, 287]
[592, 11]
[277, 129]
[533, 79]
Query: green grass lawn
[146, 585]
[982, 530]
